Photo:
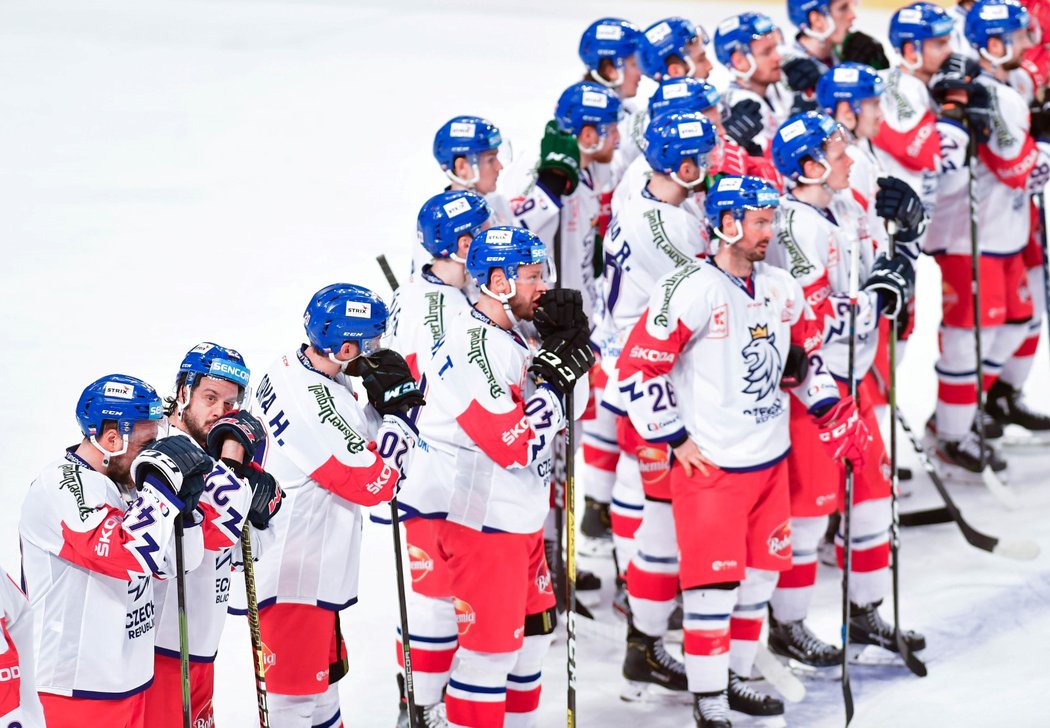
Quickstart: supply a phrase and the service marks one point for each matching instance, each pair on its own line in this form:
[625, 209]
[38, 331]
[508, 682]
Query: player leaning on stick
[96, 527]
[333, 451]
[209, 391]
[726, 337]
[493, 412]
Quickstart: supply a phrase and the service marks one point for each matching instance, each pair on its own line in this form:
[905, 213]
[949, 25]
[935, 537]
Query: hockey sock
[326, 709]
[433, 639]
[794, 590]
[652, 577]
[1008, 339]
[477, 688]
[1015, 371]
[870, 544]
[706, 637]
[628, 501]
[600, 453]
[956, 381]
[291, 711]
[524, 682]
[749, 613]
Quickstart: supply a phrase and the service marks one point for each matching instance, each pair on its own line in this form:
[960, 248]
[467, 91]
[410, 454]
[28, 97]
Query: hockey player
[322, 447]
[727, 335]
[96, 526]
[674, 47]
[816, 232]
[209, 390]
[493, 411]
[19, 702]
[822, 25]
[997, 117]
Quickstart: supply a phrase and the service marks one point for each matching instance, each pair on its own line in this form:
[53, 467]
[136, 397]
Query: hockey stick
[391, 279]
[570, 558]
[847, 551]
[1019, 549]
[917, 666]
[184, 632]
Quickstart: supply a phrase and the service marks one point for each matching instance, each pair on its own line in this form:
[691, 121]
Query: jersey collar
[747, 285]
[72, 457]
[486, 320]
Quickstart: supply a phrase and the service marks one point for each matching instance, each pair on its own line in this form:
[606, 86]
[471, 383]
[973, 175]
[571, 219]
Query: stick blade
[779, 675]
[998, 489]
[1019, 550]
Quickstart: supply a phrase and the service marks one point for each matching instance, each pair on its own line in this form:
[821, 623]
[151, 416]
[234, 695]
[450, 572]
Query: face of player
[1021, 40]
[698, 54]
[935, 52]
[530, 285]
[869, 119]
[839, 161]
[766, 58]
[632, 74]
[843, 13]
[714, 115]
[209, 401]
[757, 232]
[142, 433]
[489, 168]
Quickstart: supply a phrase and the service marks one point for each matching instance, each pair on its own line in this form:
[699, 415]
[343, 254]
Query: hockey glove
[175, 466]
[743, 124]
[559, 167]
[242, 427]
[801, 74]
[561, 312]
[897, 202]
[955, 74]
[388, 381]
[267, 496]
[844, 433]
[795, 367]
[862, 48]
[894, 280]
[560, 363]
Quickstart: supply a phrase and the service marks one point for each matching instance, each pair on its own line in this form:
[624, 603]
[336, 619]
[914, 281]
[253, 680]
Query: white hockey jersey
[321, 449]
[488, 431]
[717, 344]
[89, 553]
[814, 246]
[419, 313]
[632, 140]
[19, 702]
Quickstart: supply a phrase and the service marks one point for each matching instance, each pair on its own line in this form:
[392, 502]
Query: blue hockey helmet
[736, 34]
[989, 19]
[464, 136]
[798, 14]
[611, 39]
[587, 104]
[211, 360]
[120, 399]
[344, 312]
[802, 136]
[675, 137]
[682, 94]
[918, 22]
[736, 195]
[665, 38]
[851, 82]
[507, 248]
[448, 215]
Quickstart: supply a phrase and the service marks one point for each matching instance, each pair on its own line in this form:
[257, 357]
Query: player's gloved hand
[897, 202]
[242, 427]
[176, 467]
[267, 495]
[862, 48]
[801, 74]
[955, 74]
[804, 101]
[561, 312]
[796, 366]
[894, 280]
[559, 166]
[560, 363]
[743, 124]
[388, 381]
[844, 433]
[979, 113]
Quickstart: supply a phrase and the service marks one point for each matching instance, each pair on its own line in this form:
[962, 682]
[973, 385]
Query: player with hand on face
[493, 413]
[209, 390]
[97, 525]
[333, 450]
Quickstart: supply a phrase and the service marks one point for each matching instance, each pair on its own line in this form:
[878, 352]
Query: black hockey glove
[744, 123]
[559, 167]
[862, 48]
[955, 74]
[796, 366]
[561, 363]
[561, 312]
[242, 427]
[267, 496]
[388, 381]
[897, 202]
[801, 74]
[894, 280]
[176, 465]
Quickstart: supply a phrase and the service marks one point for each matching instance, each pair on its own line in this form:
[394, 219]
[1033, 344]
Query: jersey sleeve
[1010, 152]
[817, 389]
[19, 702]
[224, 504]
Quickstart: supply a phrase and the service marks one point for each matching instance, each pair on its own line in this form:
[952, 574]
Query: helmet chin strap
[342, 364]
[504, 298]
[817, 180]
[106, 454]
[456, 259]
[689, 186]
[594, 149]
[729, 240]
[821, 36]
[751, 68]
[998, 61]
[614, 83]
[468, 183]
[913, 67]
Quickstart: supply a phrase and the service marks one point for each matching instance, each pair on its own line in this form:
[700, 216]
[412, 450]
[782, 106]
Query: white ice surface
[172, 172]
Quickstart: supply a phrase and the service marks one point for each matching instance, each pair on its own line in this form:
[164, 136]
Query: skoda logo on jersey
[763, 362]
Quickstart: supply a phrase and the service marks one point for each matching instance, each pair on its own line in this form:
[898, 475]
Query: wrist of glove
[176, 467]
[803, 103]
[843, 432]
[561, 364]
[267, 496]
[388, 381]
[559, 160]
[560, 311]
[862, 48]
[242, 427]
[796, 366]
[801, 74]
[894, 280]
[1041, 121]
[957, 73]
[744, 122]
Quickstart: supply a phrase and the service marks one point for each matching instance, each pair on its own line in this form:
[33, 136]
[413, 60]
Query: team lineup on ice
[705, 302]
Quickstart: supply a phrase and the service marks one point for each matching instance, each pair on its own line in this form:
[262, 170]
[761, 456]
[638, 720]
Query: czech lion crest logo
[763, 362]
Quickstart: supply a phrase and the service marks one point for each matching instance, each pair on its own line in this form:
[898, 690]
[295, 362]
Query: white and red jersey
[419, 312]
[89, 553]
[717, 344]
[864, 185]
[776, 108]
[908, 145]
[19, 702]
[632, 140]
[488, 431]
[321, 448]
[224, 504]
[814, 246]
